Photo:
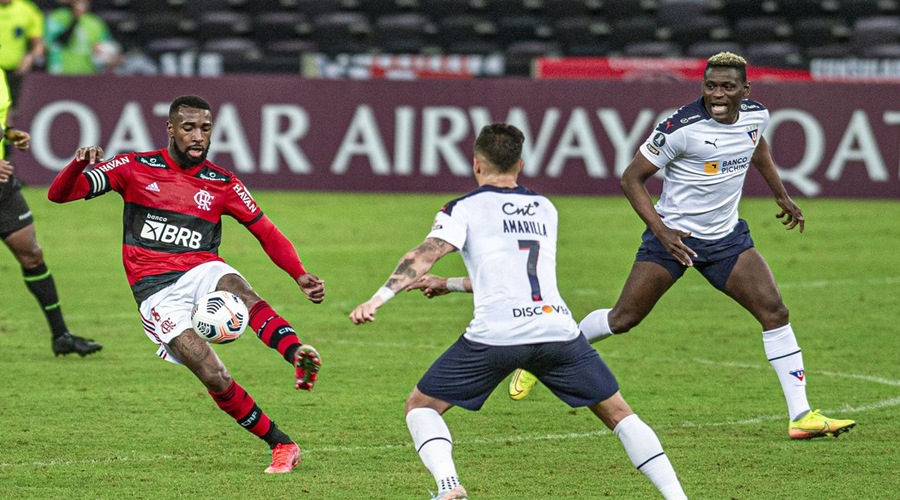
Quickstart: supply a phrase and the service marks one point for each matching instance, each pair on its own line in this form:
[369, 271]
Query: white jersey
[507, 238]
[704, 164]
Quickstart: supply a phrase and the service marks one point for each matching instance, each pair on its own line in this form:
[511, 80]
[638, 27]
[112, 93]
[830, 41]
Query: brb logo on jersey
[527, 312]
[203, 199]
[156, 229]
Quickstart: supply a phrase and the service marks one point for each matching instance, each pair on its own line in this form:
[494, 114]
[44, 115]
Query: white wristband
[456, 285]
[385, 293]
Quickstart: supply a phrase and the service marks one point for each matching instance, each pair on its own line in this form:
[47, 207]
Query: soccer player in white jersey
[507, 236]
[704, 151]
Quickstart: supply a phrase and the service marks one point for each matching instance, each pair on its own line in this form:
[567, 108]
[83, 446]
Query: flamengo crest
[203, 199]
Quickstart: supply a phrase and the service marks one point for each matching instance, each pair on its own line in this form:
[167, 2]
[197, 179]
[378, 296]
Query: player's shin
[786, 358]
[243, 409]
[646, 453]
[433, 443]
[273, 330]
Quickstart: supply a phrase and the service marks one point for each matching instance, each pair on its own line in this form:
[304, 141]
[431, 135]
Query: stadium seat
[473, 47]
[761, 29]
[702, 27]
[521, 54]
[439, 9]
[883, 51]
[343, 32]
[164, 25]
[854, 9]
[633, 29]
[813, 31]
[799, 9]
[738, 9]
[583, 35]
[876, 30]
[518, 27]
[159, 46]
[653, 48]
[778, 54]
[223, 23]
[404, 33]
[670, 12]
[238, 54]
[621, 9]
[499, 9]
[378, 8]
[466, 28]
[564, 8]
[286, 25]
[838, 50]
[285, 56]
[706, 48]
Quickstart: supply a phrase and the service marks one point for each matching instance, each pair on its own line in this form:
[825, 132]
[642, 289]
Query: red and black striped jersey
[172, 217]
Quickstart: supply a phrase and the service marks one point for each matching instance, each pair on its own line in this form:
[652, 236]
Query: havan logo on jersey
[527, 312]
[727, 166]
[156, 229]
[245, 197]
[106, 167]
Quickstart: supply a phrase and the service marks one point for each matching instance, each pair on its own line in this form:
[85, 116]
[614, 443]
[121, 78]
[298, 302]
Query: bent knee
[623, 322]
[775, 316]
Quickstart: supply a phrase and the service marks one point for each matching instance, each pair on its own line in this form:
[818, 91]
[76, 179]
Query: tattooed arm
[416, 263]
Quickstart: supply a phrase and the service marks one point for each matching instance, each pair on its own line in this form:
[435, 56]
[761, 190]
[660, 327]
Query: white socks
[785, 357]
[434, 445]
[646, 453]
[595, 326]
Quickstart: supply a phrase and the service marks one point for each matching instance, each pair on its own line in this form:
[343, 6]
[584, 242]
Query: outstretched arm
[790, 212]
[282, 252]
[69, 184]
[415, 264]
[634, 186]
[433, 286]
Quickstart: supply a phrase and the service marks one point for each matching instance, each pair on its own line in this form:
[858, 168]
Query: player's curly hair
[187, 101]
[728, 60]
[500, 144]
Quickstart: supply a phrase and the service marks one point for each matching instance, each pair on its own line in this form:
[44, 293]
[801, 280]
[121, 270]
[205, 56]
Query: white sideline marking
[886, 403]
[868, 378]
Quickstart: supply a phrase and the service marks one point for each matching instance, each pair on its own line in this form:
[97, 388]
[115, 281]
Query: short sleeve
[450, 226]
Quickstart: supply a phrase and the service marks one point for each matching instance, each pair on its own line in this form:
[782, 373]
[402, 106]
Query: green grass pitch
[124, 424]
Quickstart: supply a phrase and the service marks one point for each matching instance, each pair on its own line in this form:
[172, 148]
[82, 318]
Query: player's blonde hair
[728, 60]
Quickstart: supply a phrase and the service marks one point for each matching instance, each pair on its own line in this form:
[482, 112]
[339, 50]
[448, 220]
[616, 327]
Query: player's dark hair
[728, 60]
[501, 145]
[187, 101]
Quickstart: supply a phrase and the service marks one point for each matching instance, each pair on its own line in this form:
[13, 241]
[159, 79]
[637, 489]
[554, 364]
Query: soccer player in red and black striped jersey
[174, 202]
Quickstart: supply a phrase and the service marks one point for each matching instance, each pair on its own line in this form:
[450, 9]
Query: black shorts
[14, 211]
[715, 258]
[467, 372]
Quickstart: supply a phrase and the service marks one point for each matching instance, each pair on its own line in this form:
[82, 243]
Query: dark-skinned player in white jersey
[705, 150]
[174, 200]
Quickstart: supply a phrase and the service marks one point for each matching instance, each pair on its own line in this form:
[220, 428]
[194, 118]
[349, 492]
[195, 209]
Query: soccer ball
[220, 317]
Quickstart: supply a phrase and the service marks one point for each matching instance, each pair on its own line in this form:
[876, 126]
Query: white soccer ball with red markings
[220, 317]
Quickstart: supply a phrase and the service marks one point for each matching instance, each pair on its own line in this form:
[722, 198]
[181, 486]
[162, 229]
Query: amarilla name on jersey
[172, 217]
[507, 238]
[704, 164]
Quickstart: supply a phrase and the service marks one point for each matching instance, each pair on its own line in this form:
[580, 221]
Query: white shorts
[167, 313]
